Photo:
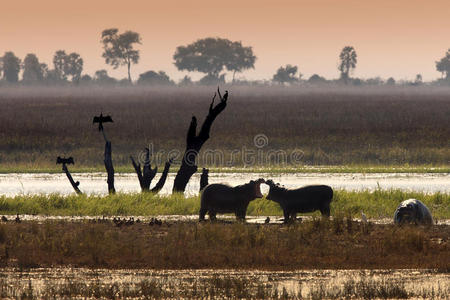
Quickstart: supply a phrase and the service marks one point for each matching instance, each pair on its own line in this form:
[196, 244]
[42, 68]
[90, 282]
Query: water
[95, 183]
[94, 283]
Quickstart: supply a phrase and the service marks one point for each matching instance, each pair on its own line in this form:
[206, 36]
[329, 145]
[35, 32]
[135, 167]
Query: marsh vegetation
[331, 126]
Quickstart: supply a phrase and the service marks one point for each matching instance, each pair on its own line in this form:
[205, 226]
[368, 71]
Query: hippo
[305, 199]
[412, 211]
[222, 198]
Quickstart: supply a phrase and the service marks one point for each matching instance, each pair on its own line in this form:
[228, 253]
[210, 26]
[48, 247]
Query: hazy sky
[398, 38]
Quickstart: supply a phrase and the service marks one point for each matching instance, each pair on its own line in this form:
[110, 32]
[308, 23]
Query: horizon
[398, 40]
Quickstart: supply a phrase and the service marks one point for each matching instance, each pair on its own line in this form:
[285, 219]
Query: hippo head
[407, 213]
[256, 187]
[274, 187]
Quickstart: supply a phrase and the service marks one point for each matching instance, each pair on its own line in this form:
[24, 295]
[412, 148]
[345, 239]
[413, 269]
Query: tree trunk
[195, 142]
[109, 165]
[129, 74]
[72, 182]
[147, 174]
[163, 178]
[204, 179]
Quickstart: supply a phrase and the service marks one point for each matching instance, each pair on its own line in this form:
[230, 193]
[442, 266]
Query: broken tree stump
[108, 152]
[195, 142]
[146, 175]
[64, 161]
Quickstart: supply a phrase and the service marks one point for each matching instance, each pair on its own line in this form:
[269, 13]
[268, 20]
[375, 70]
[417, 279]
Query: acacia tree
[11, 67]
[443, 65]
[212, 55]
[286, 74]
[348, 60]
[119, 48]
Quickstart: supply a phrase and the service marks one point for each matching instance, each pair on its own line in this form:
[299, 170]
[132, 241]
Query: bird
[102, 119]
[18, 220]
[225, 96]
[267, 221]
[364, 218]
[63, 160]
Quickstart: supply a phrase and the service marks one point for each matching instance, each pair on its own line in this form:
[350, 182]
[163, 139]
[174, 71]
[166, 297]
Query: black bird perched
[64, 160]
[225, 96]
[18, 220]
[267, 220]
[102, 119]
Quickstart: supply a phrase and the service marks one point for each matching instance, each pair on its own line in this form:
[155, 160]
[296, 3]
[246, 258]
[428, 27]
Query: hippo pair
[221, 198]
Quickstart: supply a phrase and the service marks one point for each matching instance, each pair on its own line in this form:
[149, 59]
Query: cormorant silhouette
[102, 119]
[63, 160]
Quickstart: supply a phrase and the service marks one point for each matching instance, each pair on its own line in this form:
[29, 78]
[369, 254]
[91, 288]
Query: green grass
[377, 204]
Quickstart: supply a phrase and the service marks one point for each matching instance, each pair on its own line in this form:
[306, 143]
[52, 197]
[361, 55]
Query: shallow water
[95, 183]
[302, 282]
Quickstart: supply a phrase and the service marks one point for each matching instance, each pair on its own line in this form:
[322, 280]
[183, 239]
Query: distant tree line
[211, 56]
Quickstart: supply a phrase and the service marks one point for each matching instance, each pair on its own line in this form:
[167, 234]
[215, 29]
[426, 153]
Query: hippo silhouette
[302, 200]
[222, 198]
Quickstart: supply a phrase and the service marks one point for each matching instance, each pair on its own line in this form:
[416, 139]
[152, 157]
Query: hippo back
[221, 197]
[413, 210]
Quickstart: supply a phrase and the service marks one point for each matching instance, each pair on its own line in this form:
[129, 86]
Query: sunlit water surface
[95, 183]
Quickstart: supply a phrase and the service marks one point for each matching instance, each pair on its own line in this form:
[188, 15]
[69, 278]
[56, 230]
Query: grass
[318, 244]
[377, 204]
[338, 127]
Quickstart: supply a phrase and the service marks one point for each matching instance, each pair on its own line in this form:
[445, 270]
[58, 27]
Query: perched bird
[225, 96]
[267, 221]
[363, 218]
[18, 220]
[63, 160]
[158, 222]
[102, 119]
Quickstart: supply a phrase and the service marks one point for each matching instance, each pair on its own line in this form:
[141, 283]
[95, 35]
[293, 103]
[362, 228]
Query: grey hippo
[413, 211]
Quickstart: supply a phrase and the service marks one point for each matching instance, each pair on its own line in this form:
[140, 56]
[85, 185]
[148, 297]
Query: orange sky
[398, 38]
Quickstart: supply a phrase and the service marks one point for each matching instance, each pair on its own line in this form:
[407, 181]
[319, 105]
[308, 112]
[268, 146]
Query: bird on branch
[102, 119]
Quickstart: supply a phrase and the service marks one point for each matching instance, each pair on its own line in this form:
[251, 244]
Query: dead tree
[64, 161]
[146, 175]
[107, 157]
[194, 143]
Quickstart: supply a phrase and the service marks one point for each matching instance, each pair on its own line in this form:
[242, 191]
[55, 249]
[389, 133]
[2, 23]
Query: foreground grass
[377, 204]
[319, 244]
